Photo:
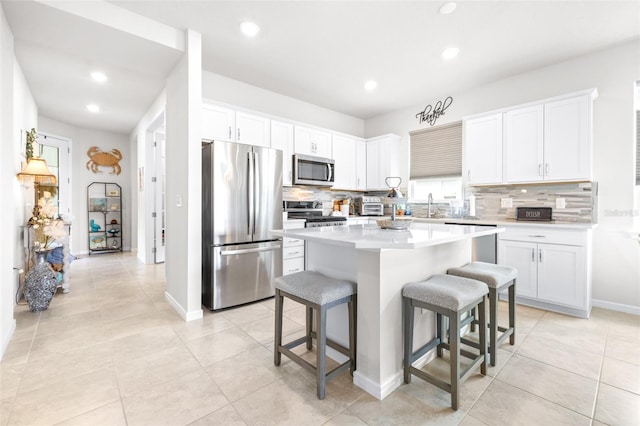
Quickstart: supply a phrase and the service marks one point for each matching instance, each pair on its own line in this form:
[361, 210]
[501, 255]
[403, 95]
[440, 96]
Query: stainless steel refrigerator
[241, 203]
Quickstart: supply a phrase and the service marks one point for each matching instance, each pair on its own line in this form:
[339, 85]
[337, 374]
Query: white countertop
[497, 222]
[371, 237]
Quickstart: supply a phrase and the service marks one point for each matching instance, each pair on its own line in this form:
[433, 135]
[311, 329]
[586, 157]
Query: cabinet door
[303, 141]
[523, 144]
[383, 161]
[562, 274]
[374, 165]
[344, 154]
[218, 123]
[323, 145]
[252, 129]
[567, 139]
[282, 139]
[483, 149]
[361, 165]
[523, 257]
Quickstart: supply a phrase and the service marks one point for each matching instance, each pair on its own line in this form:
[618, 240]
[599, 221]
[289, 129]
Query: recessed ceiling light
[98, 76]
[93, 108]
[450, 52]
[448, 7]
[249, 29]
[370, 85]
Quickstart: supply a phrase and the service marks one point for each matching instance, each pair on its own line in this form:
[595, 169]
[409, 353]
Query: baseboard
[7, 339]
[187, 316]
[612, 306]
[380, 391]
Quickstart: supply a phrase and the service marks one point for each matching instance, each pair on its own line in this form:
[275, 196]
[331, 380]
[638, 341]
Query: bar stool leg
[309, 327]
[277, 356]
[440, 332]
[408, 337]
[454, 354]
[482, 308]
[493, 324]
[321, 334]
[512, 312]
[353, 326]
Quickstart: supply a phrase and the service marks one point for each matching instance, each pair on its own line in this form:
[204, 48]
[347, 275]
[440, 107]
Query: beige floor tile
[110, 414]
[155, 368]
[65, 399]
[221, 345]
[298, 315]
[302, 407]
[503, 404]
[177, 402]
[470, 421]
[248, 313]
[345, 420]
[562, 387]
[141, 344]
[17, 352]
[624, 350]
[46, 372]
[10, 378]
[617, 407]
[583, 339]
[225, 416]
[263, 329]
[595, 324]
[134, 324]
[66, 341]
[205, 326]
[621, 374]
[6, 405]
[54, 325]
[568, 358]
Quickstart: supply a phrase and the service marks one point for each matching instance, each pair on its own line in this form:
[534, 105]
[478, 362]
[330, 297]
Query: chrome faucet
[429, 201]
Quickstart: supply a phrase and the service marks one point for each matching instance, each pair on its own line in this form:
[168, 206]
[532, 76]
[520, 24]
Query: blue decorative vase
[40, 283]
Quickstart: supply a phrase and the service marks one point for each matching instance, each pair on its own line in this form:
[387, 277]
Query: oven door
[309, 170]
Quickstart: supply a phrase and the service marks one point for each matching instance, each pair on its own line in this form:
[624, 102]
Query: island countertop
[371, 237]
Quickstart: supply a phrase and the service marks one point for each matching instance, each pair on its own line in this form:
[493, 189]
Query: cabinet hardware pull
[229, 132]
[540, 255]
[468, 174]
[533, 255]
[238, 134]
[547, 169]
[540, 169]
[537, 236]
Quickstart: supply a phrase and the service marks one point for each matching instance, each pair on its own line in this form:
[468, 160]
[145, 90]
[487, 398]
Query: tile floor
[112, 352]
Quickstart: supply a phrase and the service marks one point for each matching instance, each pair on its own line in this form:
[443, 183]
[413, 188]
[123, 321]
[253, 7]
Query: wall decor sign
[431, 113]
[99, 158]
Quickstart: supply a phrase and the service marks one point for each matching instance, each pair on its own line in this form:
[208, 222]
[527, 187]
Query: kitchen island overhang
[382, 262]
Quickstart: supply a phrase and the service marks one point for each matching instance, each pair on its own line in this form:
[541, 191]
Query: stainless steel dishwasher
[484, 249]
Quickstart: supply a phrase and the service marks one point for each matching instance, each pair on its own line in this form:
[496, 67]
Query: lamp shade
[37, 168]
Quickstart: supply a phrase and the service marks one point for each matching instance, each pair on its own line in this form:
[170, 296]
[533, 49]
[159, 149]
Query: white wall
[233, 92]
[18, 113]
[184, 182]
[81, 140]
[616, 271]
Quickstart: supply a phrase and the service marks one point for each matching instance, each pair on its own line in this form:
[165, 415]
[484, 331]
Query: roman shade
[436, 151]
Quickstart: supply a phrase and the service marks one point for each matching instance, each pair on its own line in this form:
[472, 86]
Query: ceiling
[321, 52]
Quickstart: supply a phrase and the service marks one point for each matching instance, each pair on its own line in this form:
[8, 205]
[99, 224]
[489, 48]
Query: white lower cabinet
[292, 250]
[553, 267]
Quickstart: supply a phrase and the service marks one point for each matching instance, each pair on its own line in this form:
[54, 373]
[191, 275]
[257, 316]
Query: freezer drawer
[241, 273]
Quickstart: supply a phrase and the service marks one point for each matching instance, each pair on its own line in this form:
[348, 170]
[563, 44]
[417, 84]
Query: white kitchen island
[382, 262]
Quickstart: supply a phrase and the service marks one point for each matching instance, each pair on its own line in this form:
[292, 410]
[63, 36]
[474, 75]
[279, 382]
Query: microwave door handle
[330, 168]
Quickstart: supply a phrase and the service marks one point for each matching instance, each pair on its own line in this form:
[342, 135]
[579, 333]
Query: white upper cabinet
[218, 123]
[344, 154]
[383, 160]
[567, 139]
[252, 129]
[310, 141]
[523, 144]
[483, 149]
[282, 139]
[547, 141]
[361, 165]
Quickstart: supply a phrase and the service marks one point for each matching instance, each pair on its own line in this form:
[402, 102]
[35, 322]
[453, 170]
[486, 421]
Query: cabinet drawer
[290, 242]
[541, 235]
[293, 252]
[289, 266]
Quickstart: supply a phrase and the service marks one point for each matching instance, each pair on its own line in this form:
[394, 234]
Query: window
[436, 163]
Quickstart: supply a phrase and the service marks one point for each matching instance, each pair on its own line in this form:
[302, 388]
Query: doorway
[159, 186]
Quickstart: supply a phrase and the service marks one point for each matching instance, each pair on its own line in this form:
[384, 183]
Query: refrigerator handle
[256, 190]
[249, 192]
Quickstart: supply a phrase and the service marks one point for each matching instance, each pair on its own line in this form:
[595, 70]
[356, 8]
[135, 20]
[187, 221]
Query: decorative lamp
[37, 168]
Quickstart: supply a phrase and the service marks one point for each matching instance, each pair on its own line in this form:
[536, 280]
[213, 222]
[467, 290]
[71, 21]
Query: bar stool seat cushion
[493, 275]
[315, 287]
[446, 291]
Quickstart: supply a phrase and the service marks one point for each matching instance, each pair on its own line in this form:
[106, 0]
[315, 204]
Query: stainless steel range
[311, 211]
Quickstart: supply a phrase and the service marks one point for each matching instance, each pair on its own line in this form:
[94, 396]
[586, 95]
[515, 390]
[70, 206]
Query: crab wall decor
[99, 158]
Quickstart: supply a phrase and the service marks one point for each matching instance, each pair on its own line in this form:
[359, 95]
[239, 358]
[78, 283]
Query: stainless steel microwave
[310, 170]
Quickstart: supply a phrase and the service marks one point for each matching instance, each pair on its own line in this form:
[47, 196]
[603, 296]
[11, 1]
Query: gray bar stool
[497, 277]
[318, 293]
[452, 297]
